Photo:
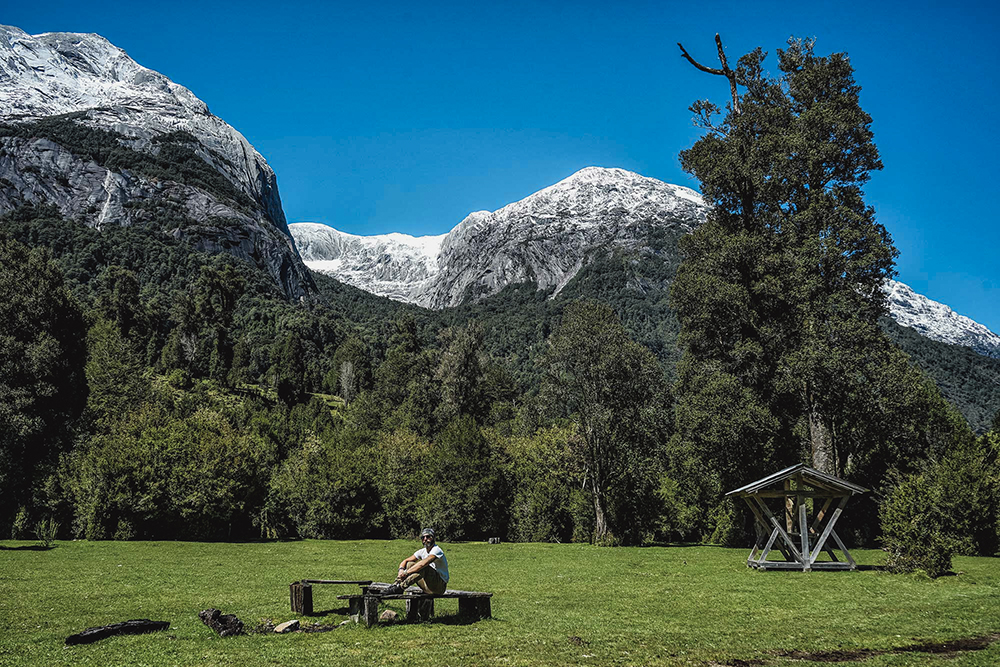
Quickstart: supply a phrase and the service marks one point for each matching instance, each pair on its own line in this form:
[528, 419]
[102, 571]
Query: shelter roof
[808, 475]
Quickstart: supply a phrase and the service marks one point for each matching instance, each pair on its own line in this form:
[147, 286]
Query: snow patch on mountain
[394, 265]
[939, 322]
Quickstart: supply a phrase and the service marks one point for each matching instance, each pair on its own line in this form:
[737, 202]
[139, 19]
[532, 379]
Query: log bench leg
[355, 607]
[419, 610]
[474, 608]
[369, 610]
[302, 598]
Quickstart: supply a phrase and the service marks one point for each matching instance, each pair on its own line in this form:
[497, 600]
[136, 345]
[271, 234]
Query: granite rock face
[81, 82]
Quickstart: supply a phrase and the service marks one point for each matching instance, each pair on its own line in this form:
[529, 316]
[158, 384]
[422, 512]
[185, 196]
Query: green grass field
[553, 605]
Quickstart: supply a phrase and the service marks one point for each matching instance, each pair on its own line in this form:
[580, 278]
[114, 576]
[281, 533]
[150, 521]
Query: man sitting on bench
[427, 568]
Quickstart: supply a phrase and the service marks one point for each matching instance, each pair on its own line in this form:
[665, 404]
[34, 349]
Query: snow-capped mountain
[48, 157]
[394, 265]
[546, 238]
[939, 322]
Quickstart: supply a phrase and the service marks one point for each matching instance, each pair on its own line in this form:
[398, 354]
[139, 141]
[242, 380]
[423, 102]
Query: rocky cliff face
[107, 141]
[547, 237]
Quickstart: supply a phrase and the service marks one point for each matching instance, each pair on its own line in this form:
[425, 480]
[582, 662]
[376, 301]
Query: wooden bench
[472, 605]
[302, 595]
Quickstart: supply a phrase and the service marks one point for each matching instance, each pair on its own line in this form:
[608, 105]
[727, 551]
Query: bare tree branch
[698, 64]
[725, 71]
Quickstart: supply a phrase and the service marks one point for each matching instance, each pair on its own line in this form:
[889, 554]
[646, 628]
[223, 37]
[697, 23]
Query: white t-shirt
[440, 563]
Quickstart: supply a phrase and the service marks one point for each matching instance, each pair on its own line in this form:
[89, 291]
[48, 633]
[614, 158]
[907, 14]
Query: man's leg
[428, 579]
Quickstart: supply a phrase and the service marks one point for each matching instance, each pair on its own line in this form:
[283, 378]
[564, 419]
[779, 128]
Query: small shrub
[125, 532]
[20, 529]
[913, 528]
[607, 540]
[46, 531]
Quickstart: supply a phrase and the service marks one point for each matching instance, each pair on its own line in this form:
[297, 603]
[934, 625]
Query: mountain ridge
[591, 207]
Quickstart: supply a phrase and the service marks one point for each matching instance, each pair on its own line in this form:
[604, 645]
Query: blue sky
[406, 117]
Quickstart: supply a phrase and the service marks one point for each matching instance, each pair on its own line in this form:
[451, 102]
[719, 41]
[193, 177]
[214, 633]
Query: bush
[179, 379]
[913, 527]
[19, 530]
[159, 475]
[46, 531]
[321, 491]
[542, 474]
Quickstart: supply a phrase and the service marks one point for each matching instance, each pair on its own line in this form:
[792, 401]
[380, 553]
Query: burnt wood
[134, 627]
[227, 625]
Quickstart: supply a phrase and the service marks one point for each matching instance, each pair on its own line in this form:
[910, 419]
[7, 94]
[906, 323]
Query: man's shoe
[394, 589]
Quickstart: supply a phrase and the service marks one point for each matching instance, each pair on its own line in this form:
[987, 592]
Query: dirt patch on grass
[946, 649]
[832, 656]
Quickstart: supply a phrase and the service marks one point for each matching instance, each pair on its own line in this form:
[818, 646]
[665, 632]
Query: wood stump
[369, 610]
[302, 598]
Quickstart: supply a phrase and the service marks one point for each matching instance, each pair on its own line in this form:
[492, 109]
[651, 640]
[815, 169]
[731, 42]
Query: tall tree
[459, 373]
[612, 387]
[780, 290]
[43, 389]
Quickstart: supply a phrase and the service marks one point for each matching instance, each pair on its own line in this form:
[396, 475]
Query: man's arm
[405, 569]
[406, 563]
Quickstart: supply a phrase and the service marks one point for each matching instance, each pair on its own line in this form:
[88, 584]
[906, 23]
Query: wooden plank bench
[302, 596]
[472, 605]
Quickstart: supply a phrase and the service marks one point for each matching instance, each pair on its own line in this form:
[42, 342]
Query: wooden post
[818, 519]
[847, 554]
[804, 537]
[827, 531]
[789, 507]
[302, 598]
[767, 547]
[369, 610]
[420, 609]
[796, 556]
[474, 608]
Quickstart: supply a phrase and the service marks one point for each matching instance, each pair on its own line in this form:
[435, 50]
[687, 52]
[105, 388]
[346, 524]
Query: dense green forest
[149, 391]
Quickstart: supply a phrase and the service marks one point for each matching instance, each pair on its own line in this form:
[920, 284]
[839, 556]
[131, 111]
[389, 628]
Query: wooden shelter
[802, 492]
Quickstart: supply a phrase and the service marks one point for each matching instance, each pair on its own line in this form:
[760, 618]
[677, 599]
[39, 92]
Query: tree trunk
[600, 519]
[821, 440]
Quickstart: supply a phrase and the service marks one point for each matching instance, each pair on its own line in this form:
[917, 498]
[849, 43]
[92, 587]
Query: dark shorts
[428, 579]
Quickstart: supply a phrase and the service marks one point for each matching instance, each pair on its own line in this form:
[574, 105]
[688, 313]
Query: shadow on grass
[29, 547]
[456, 619]
[340, 611]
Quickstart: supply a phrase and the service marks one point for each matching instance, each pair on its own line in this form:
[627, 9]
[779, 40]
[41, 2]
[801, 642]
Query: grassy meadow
[554, 604]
